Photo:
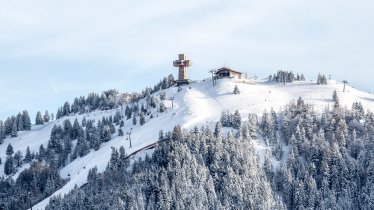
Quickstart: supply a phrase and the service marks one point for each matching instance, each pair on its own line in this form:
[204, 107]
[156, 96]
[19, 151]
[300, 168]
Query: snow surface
[195, 105]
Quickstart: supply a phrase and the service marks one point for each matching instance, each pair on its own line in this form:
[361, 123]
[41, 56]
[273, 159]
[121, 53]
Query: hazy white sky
[51, 51]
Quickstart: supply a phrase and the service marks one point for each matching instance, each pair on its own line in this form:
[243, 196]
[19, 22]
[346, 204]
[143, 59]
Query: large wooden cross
[183, 64]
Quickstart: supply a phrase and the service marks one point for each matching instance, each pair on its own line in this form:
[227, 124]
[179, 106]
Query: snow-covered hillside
[194, 105]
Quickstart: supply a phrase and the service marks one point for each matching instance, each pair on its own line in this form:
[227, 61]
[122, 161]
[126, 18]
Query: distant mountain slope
[194, 105]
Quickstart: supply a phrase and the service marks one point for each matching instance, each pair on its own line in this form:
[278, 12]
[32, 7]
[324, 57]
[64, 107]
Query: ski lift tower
[182, 63]
[345, 82]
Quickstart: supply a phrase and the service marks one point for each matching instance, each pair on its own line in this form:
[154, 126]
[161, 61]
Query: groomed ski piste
[194, 105]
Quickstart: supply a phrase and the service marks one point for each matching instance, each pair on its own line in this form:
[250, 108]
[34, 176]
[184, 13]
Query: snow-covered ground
[194, 105]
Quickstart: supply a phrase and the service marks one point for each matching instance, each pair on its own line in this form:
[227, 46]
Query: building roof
[227, 69]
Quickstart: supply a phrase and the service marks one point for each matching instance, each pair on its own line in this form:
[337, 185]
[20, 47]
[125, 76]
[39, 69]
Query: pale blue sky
[52, 51]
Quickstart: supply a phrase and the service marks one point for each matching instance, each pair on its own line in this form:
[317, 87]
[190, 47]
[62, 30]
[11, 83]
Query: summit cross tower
[182, 63]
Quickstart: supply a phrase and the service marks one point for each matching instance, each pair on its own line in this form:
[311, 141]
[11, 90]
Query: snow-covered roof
[227, 69]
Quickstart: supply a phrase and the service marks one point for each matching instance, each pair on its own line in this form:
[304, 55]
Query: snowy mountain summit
[199, 106]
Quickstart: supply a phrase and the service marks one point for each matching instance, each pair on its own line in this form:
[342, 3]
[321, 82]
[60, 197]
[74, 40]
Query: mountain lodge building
[225, 72]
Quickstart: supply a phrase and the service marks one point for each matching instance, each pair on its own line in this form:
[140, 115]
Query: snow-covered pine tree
[225, 118]
[18, 158]
[76, 129]
[162, 107]
[14, 132]
[39, 119]
[26, 120]
[2, 136]
[134, 120]
[236, 90]
[9, 150]
[335, 99]
[321, 79]
[20, 126]
[82, 143]
[120, 132]
[41, 154]
[95, 139]
[106, 134]
[128, 112]
[218, 131]
[66, 109]
[162, 95]
[236, 120]
[28, 156]
[141, 119]
[68, 128]
[46, 116]
[8, 165]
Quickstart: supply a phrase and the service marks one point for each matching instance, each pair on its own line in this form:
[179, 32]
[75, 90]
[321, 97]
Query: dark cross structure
[182, 63]
[345, 82]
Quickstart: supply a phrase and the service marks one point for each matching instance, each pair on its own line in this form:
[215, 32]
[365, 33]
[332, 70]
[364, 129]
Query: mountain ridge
[195, 105]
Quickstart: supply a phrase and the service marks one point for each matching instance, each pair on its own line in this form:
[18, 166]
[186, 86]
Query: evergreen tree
[225, 119]
[236, 120]
[59, 113]
[128, 112]
[27, 155]
[2, 136]
[236, 90]
[153, 102]
[268, 166]
[162, 95]
[335, 97]
[134, 120]
[76, 129]
[117, 118]
[177, 133]
[161, 135]
[20, 125]
[46, 116]
[84, 122]
[68, 129]
[42, 152]
[162, 107]
[56, 139]
[252, 126]
[9, 150]
[123, 160]
[336, 100]
[66, 109]
[92, 177]
[218, 130]
[106, 134]
[14, 132]
[8, 166]
[18, 158]
[39, 118]
[8, 124]
[120, 132]
[321, 80]
[82, 146]
[95, 139]
[112, 128]
[142, 119]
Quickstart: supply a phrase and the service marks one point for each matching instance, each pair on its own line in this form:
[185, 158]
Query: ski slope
[195, 105]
